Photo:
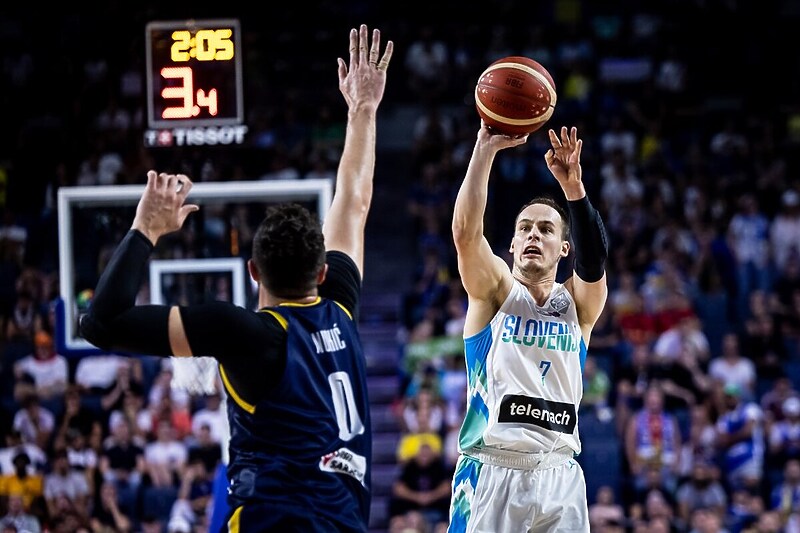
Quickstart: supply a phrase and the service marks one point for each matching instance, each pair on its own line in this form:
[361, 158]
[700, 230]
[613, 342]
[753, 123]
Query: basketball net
[195, 375]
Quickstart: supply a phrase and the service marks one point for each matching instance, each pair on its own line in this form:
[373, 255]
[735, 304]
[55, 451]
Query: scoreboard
[194, 82]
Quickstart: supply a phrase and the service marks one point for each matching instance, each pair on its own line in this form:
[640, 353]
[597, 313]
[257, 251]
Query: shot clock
[194, 73]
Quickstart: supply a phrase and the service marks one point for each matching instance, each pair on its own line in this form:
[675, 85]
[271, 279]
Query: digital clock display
[194, 73]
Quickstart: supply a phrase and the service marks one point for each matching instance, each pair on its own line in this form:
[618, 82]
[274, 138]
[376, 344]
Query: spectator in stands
[68, 519]
[686, 334]
[700, 445]
[605, 510]
[683, 380]
[740, 439]
[767, 522]
[748, 234]
[17, 519]
[165, 458]
[152, 524]
[745, 508]
[705, 520]
[637, 325]
[453, 381]
[628, 230]
[428, 206]
[212, 415]
[785, 495]
[127, 376]
[659, 512]
[784, 434]
[204, 448]
[177, 416]
[44, 373]
[772, 400]
[423, 485]
[784, 230]
[653, 439]
[122, 464]
[34, 422]
[81, 456]
[133, 413]
[77, 417]
[607, 338]
[702, 490]
[423, 412]
[162, 386]
[732, 368]
[25, 319]
[97, 374]
[455, 311]
[15, 445]
[596, 388]
[64, 482]
[619, 136]
[432, 135]
[413, 522]
[624, 297]
[621, 183]
[30, 487]
[194, 494]
[427, 64]
[106, 513]
[631, 380]
[762, 338]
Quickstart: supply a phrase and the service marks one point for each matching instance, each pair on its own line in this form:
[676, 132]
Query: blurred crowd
[690, 154]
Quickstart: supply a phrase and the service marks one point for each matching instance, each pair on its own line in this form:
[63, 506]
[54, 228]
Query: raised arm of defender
[362, 85]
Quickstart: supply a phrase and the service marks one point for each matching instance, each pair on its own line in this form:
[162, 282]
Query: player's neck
[267, 299]
[539, 288]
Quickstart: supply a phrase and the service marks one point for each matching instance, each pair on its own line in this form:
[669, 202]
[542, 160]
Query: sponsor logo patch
[548, 414]
[344, 461]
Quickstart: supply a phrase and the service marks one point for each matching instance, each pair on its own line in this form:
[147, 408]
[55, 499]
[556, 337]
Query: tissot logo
[520, 409]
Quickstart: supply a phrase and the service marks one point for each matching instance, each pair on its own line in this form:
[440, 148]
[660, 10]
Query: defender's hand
[362, 83]
[161, 209]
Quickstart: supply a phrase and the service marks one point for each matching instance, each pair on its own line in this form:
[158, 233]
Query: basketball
[515, 95]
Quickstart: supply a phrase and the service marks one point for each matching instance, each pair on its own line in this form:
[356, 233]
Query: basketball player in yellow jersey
[525, 340]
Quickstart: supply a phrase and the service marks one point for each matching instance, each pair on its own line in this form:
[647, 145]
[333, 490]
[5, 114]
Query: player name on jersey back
[328, 340]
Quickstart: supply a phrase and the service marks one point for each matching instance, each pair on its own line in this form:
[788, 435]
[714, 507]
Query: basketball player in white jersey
[525, 338]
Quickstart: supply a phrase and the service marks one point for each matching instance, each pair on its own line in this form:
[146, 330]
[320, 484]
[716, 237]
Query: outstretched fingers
[363, 41]
[387, 56]
[353, 47]
[375, 48]
[364, 51]
[565, 140]
[554, 140]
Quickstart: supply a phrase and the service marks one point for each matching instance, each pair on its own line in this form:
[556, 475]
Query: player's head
[289, 251]
[541, 236]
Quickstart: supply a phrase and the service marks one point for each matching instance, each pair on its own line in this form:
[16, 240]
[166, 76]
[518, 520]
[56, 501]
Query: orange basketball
[515, 95]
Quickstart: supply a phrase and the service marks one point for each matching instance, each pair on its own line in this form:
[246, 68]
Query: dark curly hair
[289, 250]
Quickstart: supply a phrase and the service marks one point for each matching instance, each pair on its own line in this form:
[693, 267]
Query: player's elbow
[463, 233]
[93, 331]
[355, 203]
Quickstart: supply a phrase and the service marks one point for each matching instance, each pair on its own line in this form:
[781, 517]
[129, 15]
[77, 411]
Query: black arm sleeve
[113, 321]
[343, 282]
[250, 346]
[591, 241]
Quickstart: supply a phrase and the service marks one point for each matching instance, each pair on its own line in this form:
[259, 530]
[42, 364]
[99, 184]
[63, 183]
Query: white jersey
[525, 372]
